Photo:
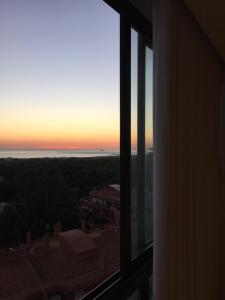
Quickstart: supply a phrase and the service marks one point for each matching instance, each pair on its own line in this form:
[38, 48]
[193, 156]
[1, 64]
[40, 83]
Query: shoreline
[60, 157]
[53, 154]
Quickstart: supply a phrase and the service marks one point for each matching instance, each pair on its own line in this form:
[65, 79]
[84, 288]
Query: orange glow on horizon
[55, 130]
[61, 142]
[92, 143]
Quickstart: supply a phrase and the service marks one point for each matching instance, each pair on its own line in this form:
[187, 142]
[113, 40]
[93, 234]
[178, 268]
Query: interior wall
[189, 205]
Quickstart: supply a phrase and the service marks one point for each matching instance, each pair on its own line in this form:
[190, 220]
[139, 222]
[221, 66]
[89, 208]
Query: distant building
[115, 186]
[101, 207]
[108, 195]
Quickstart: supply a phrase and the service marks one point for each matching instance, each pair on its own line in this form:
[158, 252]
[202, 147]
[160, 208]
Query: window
[134, 296]
[129, 209]
[59, 147]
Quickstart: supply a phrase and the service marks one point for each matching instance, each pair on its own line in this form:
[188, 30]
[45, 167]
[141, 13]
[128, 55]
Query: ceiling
[211, 17]
[209, 14]
[144, 6]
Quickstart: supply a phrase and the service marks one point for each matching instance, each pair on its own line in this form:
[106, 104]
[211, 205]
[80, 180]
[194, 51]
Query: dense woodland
[40, 192]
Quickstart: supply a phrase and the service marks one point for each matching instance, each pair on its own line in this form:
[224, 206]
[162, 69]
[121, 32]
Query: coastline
[37, 153]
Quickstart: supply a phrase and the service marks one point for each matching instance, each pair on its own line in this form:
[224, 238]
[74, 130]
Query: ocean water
[37, 153]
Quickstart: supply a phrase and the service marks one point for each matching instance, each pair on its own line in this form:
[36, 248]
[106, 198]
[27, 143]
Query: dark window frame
[134, 273]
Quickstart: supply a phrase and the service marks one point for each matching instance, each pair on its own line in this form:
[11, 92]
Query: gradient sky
[59, 75]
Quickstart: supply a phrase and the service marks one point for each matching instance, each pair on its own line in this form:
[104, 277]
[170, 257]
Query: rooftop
[69, 261]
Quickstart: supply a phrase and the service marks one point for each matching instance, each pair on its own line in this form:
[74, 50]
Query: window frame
[135, 272]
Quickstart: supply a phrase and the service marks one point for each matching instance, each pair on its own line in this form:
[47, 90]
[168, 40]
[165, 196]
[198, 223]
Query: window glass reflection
[148, 144]
[142, 143]
[134, 129]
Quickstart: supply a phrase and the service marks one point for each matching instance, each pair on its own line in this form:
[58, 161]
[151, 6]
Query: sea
[55, 153]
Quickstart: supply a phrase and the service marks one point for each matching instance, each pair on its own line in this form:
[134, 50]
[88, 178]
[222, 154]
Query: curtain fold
[189, 204]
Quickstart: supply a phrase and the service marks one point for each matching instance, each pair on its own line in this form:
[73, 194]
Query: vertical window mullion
[125, 145]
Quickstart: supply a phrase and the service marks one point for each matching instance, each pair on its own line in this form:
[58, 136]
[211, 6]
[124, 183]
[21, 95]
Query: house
[101, 207]
[60, 266]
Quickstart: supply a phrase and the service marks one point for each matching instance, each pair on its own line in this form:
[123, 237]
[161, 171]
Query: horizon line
[57, 148]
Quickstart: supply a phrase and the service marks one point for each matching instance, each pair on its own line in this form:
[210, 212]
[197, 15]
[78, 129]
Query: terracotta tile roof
[105, 194]
[108, 242]
[71, 261]
[17, 277]
[58, 264]
[78, 242]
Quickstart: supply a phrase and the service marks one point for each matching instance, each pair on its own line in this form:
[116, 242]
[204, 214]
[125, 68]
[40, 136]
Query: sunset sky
[59, 75]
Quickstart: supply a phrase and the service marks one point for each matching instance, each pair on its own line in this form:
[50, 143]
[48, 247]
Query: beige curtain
[189, 206]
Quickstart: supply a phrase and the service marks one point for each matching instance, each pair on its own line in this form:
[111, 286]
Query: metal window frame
[134, 273]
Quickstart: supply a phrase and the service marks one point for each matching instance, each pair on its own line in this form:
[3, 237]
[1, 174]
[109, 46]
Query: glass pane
[148, 144]
[151, 288]
[134, 296]
[142, 144]
[134, 128]
[144, 292]
[59, 147]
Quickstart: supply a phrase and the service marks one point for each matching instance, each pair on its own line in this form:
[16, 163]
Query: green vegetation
[40, 192]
